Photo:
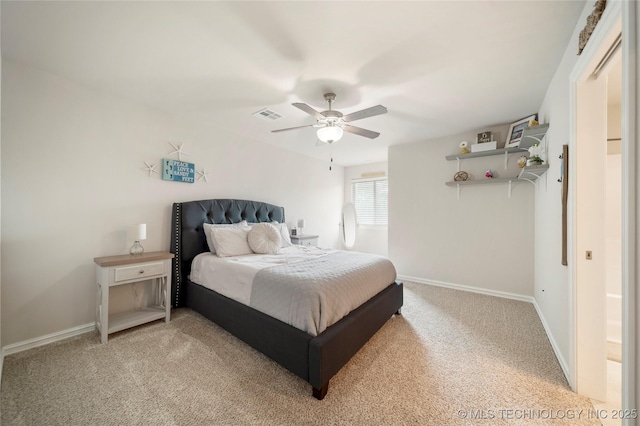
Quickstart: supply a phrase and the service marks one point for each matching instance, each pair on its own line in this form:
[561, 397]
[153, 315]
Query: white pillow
[208, 227]
[284, 234]
[231, 241]
[264, 238]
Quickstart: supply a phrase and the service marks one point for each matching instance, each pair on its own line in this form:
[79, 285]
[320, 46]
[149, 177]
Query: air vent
[267, 114]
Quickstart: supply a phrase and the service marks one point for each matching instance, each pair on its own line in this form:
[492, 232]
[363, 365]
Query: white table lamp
[138, 233]
[300, 226]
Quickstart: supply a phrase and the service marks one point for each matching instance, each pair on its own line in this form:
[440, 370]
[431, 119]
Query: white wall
[370, 239]
[72, 181]
[484, 240]
[551, 283]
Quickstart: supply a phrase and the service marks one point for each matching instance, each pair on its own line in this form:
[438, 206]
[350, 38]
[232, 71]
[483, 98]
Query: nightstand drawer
[126, 273]
[305, 240]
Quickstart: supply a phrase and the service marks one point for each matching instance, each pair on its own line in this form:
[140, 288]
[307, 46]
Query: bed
[313, 358]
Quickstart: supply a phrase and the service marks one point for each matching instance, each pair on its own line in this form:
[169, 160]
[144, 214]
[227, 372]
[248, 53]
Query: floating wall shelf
[485, 153]
[502, 151]
[533, 135]
[530, 136]
[532, 173]
[527, 174]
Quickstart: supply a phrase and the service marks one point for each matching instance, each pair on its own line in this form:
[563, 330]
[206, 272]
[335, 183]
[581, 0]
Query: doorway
[597, 211]
[613, 232]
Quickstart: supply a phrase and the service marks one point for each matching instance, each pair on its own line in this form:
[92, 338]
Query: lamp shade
[300, 223]
[330, 134]
[138, 232]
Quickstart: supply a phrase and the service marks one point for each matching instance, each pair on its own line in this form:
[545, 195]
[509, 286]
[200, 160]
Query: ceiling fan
[331, 123]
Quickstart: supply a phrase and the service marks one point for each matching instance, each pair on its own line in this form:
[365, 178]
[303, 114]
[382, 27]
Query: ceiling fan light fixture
[330, 134]
[331, 124]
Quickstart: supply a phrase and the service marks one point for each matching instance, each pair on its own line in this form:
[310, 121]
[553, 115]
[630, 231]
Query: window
[370, 197]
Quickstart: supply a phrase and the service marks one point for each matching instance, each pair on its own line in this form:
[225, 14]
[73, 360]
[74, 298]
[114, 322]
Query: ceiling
[440, 67]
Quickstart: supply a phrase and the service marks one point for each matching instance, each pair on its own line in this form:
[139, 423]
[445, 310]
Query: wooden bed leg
[399, 311]
[320, 393]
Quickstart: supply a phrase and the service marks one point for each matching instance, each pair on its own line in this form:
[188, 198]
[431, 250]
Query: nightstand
[113, 271]
[305, 240]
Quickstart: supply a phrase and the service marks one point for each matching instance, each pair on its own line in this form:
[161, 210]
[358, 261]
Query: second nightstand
[305, 240]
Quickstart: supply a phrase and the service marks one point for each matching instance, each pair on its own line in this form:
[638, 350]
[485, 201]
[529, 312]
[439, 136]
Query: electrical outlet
[588, 255]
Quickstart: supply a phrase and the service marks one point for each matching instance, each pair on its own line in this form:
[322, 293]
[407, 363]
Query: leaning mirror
[349, 225]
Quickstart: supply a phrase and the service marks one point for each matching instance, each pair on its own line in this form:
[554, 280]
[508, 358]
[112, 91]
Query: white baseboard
[506, 295]
[45, 340]
[554, 345]
[496, 293]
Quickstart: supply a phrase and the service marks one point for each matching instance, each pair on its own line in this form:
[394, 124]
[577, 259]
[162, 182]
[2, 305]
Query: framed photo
[485, 137]
[514, 135]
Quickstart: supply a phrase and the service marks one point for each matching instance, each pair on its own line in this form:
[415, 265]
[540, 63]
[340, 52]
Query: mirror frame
[349, 225]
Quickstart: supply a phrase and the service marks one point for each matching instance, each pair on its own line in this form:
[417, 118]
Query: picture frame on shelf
[514, 135]
[484, 137]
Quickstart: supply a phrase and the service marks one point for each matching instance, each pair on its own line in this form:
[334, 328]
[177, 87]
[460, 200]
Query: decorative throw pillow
[264, 238]
[284, 234]
[208, 227]
[231, 241]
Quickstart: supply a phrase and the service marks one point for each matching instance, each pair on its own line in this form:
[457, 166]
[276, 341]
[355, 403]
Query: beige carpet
[451, 358]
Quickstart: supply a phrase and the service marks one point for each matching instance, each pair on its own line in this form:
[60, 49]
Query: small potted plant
[535, 152]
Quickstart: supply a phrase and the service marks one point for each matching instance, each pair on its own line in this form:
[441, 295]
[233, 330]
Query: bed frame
[314, 359]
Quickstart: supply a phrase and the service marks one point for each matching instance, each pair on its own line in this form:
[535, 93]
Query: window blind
[370, 198]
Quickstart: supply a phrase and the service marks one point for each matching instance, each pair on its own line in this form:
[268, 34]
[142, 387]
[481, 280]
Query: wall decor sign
[484, 137]
[178, 171]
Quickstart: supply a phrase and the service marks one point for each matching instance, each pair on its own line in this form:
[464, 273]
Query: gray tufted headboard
[187, 232]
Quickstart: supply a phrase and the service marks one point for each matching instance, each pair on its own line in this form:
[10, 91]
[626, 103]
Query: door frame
[625, 15]
[630, 212]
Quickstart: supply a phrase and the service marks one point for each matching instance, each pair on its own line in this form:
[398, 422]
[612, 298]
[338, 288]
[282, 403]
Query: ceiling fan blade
[368, 112]
[306, 108]
[360, 131]
[292, 128]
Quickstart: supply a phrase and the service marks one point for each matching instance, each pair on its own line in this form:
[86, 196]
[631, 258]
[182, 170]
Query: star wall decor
[151, 168]
[178, 150]
[202, 175]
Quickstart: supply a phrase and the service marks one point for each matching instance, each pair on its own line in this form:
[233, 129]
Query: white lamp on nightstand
[300, 226]
[138, 233]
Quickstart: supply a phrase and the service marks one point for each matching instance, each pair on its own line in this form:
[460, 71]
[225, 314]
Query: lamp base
[136, 249]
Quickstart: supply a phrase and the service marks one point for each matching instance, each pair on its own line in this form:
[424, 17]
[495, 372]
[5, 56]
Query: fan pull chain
[331, 163]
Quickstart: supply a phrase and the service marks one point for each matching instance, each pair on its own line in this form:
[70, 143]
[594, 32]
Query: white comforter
[326, 295]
